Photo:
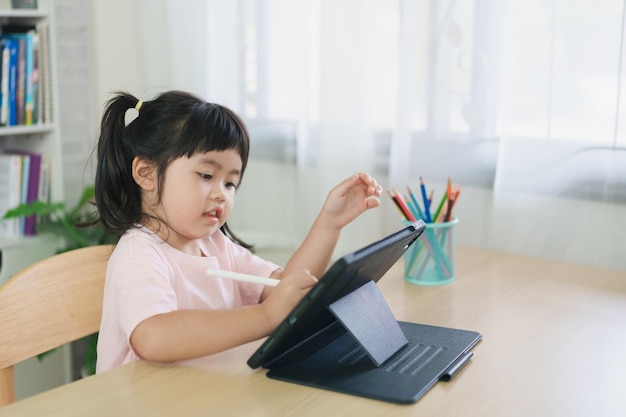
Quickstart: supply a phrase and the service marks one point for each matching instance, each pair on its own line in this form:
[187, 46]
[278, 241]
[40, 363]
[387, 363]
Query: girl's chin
[212, 228]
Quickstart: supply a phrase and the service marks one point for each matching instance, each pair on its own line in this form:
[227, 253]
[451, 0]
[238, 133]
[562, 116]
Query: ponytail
[117, 196]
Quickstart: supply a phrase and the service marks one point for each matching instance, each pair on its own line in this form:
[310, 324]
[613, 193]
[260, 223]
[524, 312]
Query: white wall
[148, 46]
[120, 59]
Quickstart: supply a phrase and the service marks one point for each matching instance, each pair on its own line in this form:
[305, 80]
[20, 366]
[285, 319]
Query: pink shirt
[146, 277]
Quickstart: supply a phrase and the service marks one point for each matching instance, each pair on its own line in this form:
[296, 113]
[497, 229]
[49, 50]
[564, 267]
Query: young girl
[165, 184]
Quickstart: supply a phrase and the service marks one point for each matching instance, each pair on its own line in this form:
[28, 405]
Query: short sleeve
[140, 280]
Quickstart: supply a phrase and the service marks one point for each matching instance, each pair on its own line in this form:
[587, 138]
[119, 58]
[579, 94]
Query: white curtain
[520, 102]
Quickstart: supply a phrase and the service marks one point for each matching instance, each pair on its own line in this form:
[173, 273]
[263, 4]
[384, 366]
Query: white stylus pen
[270, 282]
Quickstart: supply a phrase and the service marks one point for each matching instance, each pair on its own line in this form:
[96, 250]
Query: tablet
[311, 315]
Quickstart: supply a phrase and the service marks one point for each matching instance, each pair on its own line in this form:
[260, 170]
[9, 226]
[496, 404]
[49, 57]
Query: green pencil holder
[430, 260]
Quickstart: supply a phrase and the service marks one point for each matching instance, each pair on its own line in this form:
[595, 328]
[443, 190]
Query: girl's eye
[231, 185]
[205, 176]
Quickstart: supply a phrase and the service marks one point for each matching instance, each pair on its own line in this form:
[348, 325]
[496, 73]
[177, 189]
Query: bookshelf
[16, 253]
[42, 137]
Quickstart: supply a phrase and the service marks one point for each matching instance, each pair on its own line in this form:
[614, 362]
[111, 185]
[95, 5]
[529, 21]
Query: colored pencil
[403, 206]
[441, 203]
[450, 201]
[397, 204]
[427, 217]
[416, 203]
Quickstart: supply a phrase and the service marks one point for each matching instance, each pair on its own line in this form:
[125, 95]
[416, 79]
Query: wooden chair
[48, 304]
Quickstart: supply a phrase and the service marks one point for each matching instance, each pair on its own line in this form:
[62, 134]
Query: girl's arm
[344, 203]
[187, 334]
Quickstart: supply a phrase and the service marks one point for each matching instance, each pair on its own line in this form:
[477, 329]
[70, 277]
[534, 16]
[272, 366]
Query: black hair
[173, 125]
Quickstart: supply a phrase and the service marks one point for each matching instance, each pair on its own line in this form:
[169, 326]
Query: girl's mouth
[213, 216]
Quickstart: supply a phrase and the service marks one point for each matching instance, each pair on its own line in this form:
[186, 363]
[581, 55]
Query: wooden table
[554, 344]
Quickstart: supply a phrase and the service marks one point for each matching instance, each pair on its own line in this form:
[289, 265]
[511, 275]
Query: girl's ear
[144, 173]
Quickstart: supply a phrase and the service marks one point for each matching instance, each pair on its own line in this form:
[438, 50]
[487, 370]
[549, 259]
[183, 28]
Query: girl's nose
[218, 194]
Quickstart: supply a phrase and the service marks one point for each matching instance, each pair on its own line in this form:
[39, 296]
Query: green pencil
[443, 200]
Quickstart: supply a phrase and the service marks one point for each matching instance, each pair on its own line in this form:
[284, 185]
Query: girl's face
[197, 196]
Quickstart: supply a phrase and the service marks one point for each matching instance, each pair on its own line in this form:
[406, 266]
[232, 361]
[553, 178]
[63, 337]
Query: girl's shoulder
[139, 259]
[140, 242]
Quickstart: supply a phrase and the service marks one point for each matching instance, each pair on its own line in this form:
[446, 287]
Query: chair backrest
[48, 304]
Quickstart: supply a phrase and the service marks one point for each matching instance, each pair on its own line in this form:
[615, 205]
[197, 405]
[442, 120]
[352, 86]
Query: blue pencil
[427, 217]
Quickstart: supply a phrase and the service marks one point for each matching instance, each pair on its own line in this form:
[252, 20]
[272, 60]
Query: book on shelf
[9, 81]
[33, 184]
[21, 79]
[10, 192]
[45, 76]
[25, 93]
[32, 80]
[5, 58]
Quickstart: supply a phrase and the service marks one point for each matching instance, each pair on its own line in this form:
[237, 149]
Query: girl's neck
[174, 239]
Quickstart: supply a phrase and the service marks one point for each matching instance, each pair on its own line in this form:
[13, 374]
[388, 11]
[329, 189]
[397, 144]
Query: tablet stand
[366, 316]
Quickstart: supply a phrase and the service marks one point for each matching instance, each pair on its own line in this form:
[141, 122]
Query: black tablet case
[346, 339]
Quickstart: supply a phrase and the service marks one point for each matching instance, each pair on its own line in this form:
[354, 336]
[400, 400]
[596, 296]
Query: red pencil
[395, 203]
[402, 204]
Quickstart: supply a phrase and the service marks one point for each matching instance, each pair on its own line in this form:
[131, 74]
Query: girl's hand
[350, 198]
[284, 297]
